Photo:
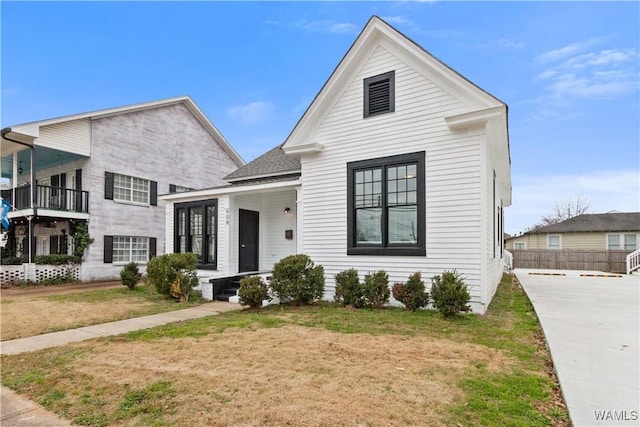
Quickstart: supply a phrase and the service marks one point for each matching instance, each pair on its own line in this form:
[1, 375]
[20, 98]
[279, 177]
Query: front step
[227, 293]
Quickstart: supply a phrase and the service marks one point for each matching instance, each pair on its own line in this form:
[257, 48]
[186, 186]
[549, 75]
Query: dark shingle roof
[618, 221]
[272, 163]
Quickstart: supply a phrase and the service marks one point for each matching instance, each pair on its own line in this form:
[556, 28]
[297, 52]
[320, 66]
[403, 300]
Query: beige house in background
[608, 231]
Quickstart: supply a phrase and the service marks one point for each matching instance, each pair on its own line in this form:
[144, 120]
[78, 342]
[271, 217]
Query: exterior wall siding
[167, 145]
[72, 137]
[453, 177]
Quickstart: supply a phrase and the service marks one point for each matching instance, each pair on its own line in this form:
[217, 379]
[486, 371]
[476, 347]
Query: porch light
[287, 210]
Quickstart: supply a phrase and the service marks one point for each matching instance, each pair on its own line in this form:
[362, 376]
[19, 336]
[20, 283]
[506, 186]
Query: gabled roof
[31, 130]
[607, 222]
[274, 162]
[482, 106]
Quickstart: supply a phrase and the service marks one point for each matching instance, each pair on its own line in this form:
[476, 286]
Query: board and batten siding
[73, 136]
[453, 177]
[167, 145]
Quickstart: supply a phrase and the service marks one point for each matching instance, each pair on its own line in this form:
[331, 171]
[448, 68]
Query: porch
[48, 198]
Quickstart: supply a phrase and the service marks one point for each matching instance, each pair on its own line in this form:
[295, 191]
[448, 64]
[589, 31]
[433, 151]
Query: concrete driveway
[591, 322]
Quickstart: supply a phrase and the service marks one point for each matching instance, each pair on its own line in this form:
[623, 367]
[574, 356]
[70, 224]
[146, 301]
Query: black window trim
[202, 264]
[394, 250]
[391, 75]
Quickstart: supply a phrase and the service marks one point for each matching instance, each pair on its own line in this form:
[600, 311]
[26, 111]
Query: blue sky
[569, 72]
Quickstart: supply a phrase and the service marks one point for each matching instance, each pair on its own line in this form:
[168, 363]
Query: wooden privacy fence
[613, 261]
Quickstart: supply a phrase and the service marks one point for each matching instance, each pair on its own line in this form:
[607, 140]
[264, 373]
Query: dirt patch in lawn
[30, 316]
[282, 376]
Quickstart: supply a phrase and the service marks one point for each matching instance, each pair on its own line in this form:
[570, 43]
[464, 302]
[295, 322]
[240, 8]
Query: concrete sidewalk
[592, 328]
[20, 412]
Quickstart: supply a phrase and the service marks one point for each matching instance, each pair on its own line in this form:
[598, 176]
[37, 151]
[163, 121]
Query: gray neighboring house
[606, 231]
[106, 168]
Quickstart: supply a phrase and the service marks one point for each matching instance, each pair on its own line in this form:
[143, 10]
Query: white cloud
[326, 26]
[252, 113]
[568, 50]
[535, 196]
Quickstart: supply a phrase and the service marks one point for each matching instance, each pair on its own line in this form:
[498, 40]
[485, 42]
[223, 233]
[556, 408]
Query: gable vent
[379, 94]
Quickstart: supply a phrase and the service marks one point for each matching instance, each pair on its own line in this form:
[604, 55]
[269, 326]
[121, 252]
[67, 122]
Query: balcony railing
[54, 198]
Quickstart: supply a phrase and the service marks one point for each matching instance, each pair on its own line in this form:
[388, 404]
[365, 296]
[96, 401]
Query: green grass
[523, 395]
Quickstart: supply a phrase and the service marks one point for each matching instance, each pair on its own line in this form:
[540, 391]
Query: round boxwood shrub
[162, 271]
[376, 291]
[349, 288]
[253, 290]
[130, 276]
[297, 279]
[450, 294]
[412, 294]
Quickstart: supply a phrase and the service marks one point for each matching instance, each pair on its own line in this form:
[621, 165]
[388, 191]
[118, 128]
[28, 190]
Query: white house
[399, 163]
[105, 169]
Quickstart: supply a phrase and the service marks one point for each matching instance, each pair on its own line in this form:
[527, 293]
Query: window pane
[139, 249]
[403, 225]
[121, 249]
[554, 242]
[359, 177]
[613, 241]
[369, 226]
[196, 230]
[211, 236]
[629, 242]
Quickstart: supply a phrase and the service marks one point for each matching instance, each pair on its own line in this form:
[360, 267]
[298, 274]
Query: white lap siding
[453, 177]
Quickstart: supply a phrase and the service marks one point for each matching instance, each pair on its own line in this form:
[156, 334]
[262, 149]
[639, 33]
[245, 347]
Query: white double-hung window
[130, 189]
[130, 249]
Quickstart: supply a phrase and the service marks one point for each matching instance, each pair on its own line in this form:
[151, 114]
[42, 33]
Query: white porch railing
[633, 261]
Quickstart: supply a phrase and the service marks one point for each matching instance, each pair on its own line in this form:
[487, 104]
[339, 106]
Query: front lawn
[321, 365]
[24, 316]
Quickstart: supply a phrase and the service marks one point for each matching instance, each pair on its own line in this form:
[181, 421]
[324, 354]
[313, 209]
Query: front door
[248, 244]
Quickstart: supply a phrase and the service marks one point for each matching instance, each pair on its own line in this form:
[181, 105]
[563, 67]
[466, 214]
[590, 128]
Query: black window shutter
[53, 245]
[108, 185]
[79, 179]
[172, 188]
[153, 193]
[108, 249]
[55, 180]
[152, 247]
[63, 180]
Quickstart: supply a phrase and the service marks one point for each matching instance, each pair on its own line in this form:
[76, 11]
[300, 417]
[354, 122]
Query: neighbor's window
[613, 241]
[386, 206]
[195, 230]
[124, 249]
[630, 242]
[130, 189]
[379, 94]
[124, 188]
[553, 242]
[519, 245]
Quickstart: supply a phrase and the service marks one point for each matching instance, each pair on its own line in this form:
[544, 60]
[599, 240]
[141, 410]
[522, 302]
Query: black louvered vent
[379, 97]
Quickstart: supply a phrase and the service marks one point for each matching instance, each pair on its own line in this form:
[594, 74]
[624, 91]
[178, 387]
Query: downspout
[32, 191]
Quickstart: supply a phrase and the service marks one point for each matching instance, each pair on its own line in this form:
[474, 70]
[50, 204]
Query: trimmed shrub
[297, 279]
[130, 276]
[253, 291]
[348, 288]
[412, 294]
[376, 291]
[162, 271]
[450, 294]
[184, 282]
[57, 259]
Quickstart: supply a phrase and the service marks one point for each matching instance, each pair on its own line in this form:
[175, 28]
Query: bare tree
[564, 210]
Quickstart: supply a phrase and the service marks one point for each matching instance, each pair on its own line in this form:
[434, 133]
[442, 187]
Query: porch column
[299, 221]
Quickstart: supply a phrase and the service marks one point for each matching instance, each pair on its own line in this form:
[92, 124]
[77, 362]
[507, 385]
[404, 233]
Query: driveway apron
[591, 323]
